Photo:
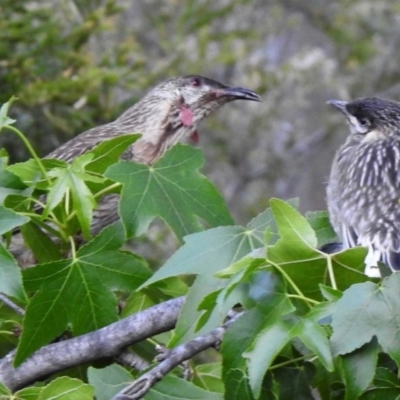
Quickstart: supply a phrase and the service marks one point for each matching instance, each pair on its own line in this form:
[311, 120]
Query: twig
[138, 388]
[131, 360]
[11, 304]
[105, 342]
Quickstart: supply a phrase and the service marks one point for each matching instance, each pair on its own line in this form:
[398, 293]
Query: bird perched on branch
[167, 114]
[363, 192]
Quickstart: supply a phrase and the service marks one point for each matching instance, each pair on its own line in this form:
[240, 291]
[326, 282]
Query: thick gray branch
[105, 342]
[138, 388]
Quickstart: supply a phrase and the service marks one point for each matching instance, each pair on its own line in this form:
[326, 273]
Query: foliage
[312, 321]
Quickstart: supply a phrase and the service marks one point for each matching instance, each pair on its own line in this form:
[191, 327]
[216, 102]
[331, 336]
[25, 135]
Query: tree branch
[138, 388]
[105, 342]
[132, 360]
[15, 307]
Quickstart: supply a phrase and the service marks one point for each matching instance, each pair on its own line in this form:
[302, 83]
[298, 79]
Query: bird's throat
[186, 115]
[194, 137]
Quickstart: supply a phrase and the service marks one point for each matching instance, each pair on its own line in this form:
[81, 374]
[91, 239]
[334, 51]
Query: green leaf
[172, 387]
[10, 276]
[319, 222]
[367, 310]
[66, 388]
[205, 253]
[30, 173]
[293, 380]
[208, 376]
[108, 381]
[329, 293]
[29, 393]
[237, 386]
[4, 119]
[296, 253]
[109, 152]
[78, 292]
[248, 261]
[258, 336]
[385, 377]
[292, 226]
[71, 180]
[209, 252]
[386, 385]
[4, 391]
[358, 369]
[9, 182]
[315, 338]
[135, 303]
[172, 189]
[43, 248]
[10, 220]
[185, 329]
[62, 388]
[326, 383]
[261, 354]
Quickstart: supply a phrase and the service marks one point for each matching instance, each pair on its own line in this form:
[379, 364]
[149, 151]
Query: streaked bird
[363, 192]
[167, 114]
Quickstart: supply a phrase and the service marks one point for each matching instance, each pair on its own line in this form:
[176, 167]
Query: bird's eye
[364, 122]
[195, 82]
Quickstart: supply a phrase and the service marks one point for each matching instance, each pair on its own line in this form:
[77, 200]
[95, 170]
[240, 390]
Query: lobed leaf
[172, 189]
[78, 292]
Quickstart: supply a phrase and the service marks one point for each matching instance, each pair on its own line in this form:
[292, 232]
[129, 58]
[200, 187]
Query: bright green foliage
[78, 291]
[171, 189]
[63, 388]
[311, 321]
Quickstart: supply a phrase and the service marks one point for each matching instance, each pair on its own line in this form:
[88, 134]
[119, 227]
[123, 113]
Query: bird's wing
[350, 237]
[84, 142]
[392, 260]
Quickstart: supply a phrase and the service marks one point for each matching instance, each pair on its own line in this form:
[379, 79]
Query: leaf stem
[73, 248]
[107, 189]
[31, 151]
[97, 195]
[289, 279]
[331, 273]
[35, 219]
[288, 362]
[306, 299]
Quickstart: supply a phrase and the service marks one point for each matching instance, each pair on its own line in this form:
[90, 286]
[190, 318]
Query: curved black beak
[339, 104]
[239, 93]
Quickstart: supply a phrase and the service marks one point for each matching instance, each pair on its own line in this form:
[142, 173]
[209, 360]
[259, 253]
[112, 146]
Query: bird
[167, 114]
[363, 191]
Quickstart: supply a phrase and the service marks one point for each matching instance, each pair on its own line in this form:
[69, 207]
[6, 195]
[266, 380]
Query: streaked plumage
[167, 114]
[363, 192]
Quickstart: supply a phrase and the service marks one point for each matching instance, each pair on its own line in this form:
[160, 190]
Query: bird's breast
[370, 164]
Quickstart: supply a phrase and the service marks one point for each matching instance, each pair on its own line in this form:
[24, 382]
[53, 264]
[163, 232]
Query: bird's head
[371, 118]
[199, 96]
[171, 111]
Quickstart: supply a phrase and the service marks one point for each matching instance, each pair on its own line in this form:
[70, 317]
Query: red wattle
[186, 116]
[194, 137]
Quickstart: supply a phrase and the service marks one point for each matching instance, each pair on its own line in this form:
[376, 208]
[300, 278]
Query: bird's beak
[340, 105]
[239, 93]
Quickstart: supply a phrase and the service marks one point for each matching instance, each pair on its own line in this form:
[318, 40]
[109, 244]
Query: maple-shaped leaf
[296, 252]
[172, 189]
[78, 292]
[71, 182]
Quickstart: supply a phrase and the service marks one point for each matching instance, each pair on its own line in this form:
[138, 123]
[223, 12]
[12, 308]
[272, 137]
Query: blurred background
[77, 64]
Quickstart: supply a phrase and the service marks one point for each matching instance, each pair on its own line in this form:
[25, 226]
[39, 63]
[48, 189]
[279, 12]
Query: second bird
[363, 192]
